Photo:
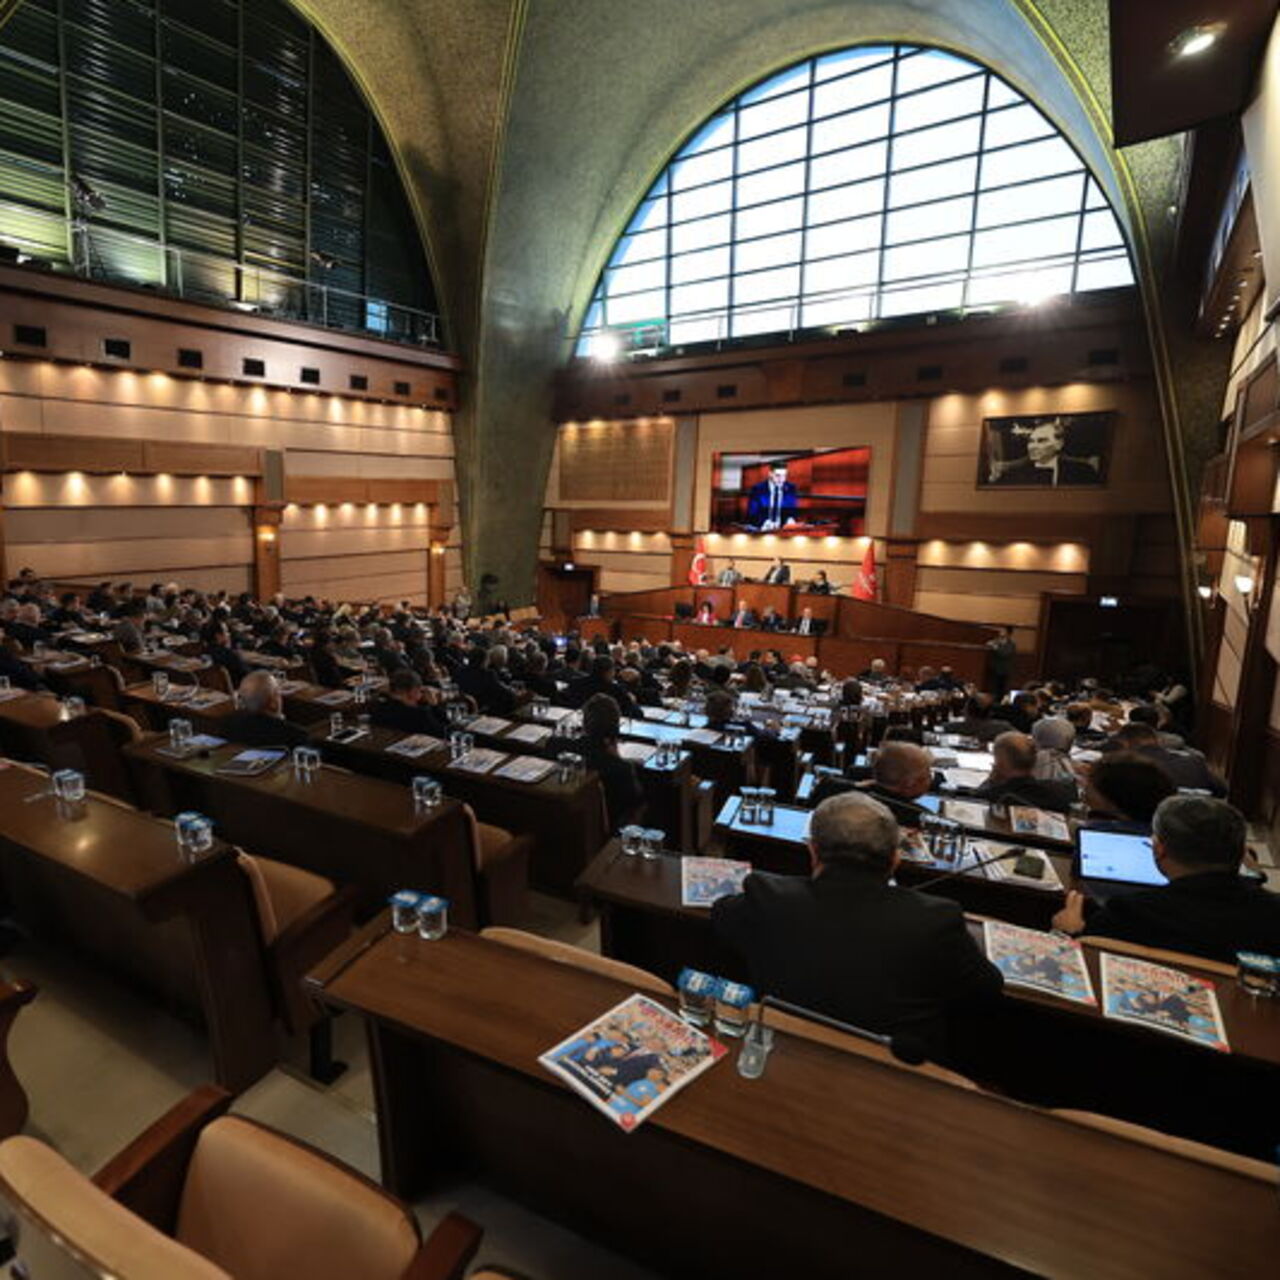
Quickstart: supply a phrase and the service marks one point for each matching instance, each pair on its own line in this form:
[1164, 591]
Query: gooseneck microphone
[1017, 851]
[906, 1048]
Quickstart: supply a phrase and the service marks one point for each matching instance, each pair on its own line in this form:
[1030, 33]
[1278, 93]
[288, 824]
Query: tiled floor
[100, 1063]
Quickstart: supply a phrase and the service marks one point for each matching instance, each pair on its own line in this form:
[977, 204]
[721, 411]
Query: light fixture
[1196, 40]
[1108, 602]
[606, 346]
[1204, 592]
[1244, 583]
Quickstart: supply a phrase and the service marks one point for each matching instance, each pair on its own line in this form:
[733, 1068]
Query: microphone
[906, 1048]
[1017, 851]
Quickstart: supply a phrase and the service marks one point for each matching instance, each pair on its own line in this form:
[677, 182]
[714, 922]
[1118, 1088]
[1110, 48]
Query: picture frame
[1046, 450]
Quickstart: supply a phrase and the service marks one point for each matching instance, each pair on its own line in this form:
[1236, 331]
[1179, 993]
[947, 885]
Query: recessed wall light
[1196, 40]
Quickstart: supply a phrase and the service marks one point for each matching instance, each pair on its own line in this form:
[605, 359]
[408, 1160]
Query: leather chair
[501, 862]
[202, 1195]
[579, 958]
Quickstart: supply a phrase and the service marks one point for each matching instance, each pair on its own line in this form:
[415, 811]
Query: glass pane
[763, 320]
[778, 148]
[653, 213]
[1101, 231]
[1001, 95]
[1015, 124]
[711, 295]
[845, 309]
[784, 82]
[844, 273]
[916, 301]
[843, 237]
[776, 251]
[773, 114]
[943, 218]
[1104, 273]
[1034, 200]
[701, 234]
[1034, 160]
[649, 244]
[715, 133]
[851, 129]
[848, 166]
[769, 219]
[936, 105]
[648, 275]
[851, 60]
[764, 286]
[944, 142]
[636, 306]
[927, 258]
[701, 201]
[703, 329]
[700, 266]
[773, 184]
[1094, 199]
[1029, 284]
[710, 167]
[853, 91]
[930, 67]
[1027, 241]
[934, 183]
[846, 202]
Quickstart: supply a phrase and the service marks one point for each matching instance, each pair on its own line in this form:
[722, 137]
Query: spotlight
[1196, 40]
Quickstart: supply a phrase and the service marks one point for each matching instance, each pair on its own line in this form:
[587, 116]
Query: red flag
[698, 565]
[865, 585]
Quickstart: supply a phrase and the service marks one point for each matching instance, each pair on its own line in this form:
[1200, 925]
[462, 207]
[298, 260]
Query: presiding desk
[109, 881]
[350, 829]
[839, 1160]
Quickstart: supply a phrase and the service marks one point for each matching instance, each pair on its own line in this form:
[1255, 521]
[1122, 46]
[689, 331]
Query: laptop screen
[1123, 856]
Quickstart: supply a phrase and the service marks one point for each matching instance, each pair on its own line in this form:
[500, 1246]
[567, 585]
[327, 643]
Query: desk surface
[1027, 1187]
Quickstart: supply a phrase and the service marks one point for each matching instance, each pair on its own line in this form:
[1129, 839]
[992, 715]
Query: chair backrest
[281, 893]
[65, 1228]
[124, 728]
[564, 953]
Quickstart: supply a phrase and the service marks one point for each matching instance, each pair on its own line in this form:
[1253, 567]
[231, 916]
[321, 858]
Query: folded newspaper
[1164, 999]
[1039, 961]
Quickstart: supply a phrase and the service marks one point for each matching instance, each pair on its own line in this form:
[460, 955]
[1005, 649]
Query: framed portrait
[1045, 450]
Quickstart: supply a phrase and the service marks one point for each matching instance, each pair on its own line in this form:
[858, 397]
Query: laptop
[1114, 860]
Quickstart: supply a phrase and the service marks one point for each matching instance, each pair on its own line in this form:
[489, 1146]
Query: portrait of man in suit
[772, 502]
[1053, 451]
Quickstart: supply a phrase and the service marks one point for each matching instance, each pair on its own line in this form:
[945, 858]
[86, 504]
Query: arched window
[876, 182]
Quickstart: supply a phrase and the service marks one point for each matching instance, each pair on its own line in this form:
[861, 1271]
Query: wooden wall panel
[604, 461]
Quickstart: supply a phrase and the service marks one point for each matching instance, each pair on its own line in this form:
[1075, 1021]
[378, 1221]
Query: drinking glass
[365, 721]
[651, 843]
[631, 836]
[754, 1052]
[5, 684]
[1258, 974]
[301, 765]
[194, 833]
[39, 649]
[426, 792]
[179, 734]
[748, 809]
[337, 722]
[697, 997]
[73, 706]
[433, 918]
[68, 785]
[564, 767]
[404, 910]
[765, 799]
[160, 683]
[733, 1005]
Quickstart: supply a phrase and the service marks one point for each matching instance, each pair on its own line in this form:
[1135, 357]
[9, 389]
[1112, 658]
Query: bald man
[1012, 780]
[259, 720]
[901, 774]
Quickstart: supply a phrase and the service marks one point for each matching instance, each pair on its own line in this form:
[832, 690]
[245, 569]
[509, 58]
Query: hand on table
[1071, 918]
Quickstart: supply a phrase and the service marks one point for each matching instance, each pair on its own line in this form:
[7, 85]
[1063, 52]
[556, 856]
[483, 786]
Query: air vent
[1104, 355]
[854, 380]
[623, 397]
[929, 373]
[358, 382]
[30, 335]
[310, 376]
[403, 388]
[253, 368]
[1013, 364]
[442, 393]
[726, 391]
[117, 348]
[190, 358]
[671, 396]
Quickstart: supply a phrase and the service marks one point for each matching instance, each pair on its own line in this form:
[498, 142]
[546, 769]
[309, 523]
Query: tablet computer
[1113, 860]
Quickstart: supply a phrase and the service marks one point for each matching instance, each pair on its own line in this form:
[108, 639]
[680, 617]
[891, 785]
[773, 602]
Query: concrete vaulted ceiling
[527, 130]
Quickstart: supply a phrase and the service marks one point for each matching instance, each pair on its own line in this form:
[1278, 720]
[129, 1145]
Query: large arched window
[876, 182]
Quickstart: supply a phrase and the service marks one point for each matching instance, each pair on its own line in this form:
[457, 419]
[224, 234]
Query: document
[962, 779]
[1164, 999]
[1027, 821]
[208, 698]
[490, 725]
[1039, 961]
[8, 695]
[287, 687]
[478, 760]
[704, 737]
[193, 746]
[414, 746]
[334, 698]
[629, 1061]
[704, 880]
[248, 764]
[534, 734]
[1006, 873]
[638, 752]
[525, 769]
[964, 812]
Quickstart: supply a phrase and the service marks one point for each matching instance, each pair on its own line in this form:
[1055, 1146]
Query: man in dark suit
[259, 721]
[848, 943]
[778, 572]
[407, 707]
[1187, 768]
[602, 679]
[772, 502]
[1206, 909]
[743, 617]
[1045, 463]
[902, 773]
[1011, 780]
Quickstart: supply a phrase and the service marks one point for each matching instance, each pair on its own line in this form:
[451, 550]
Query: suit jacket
[257, 729]
[905, 812]
[849, 944]
[391, 713]
[1212, 914]
[780, 574]
[1055, 794]
[1070, 471]
[759, 503]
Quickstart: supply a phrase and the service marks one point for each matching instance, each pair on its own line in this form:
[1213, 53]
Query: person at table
[27, 627]
[536, 677]
[217, 646]
[876, 673]
[1207, 909]
[820, 585]
[901, 774]
[772, 502]
[127, 632]
[481, 680]
[602, 678]
[1158, 718]
[706, 614]
[20, 675]
[743, 617]
[845, 941]
[808, 625]
[598, 746]
[721, 711]
[259, 719]
[1012, 778]
[1124, 787]
[410, 706]
[69, 612]
[778, 572]
[324, 662]
[1187, 768]
[980, 720]
[1054, 737]
[730, 575]
[1081, 716]
[771, 620]
[941, 681]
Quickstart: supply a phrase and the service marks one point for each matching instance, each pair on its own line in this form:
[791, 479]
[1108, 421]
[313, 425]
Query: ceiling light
[1195, 40]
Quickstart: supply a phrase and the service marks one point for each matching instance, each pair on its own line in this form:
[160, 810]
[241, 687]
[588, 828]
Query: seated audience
[259, 719]
[601, 725]
[1054, 738]
[820, 586]
[848, 943]
[217, 646]
[1207, 909]
[980, 720]
[1125, 787]
[1187, 768]
[901, 774]
[19, 675]
[876, 673]
[1012, 779]
[410, 706]
[602, 679]
[1081, 716]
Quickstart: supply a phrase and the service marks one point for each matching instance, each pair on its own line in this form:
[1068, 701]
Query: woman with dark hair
[601, 724]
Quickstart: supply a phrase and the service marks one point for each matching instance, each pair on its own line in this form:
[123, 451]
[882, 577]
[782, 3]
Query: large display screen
[811, 491]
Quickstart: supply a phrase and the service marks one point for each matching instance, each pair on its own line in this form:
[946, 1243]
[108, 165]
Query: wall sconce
[1244, 584]
[1204, 591]
[267, 533]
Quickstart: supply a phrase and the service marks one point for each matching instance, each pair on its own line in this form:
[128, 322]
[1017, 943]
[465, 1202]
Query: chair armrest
[300, 947]
[147, 1176]
[447, 1251]
[704, 813]
[13, 1099]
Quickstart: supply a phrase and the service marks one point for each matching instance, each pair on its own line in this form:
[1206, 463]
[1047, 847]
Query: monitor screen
[1123, 856]
[805, 491]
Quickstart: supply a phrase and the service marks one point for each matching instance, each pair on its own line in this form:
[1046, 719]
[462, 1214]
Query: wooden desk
[837, 1153]
[1032, 1047]
[352, 829]
[37, 728]
[110, 882]
[303, 705]
[157, 712]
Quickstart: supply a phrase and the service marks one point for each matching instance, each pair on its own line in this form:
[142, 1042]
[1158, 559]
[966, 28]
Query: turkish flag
[698, 565]
[866, 585]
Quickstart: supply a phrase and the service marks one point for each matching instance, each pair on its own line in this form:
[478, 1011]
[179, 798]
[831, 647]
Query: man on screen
[1045, 462]
[772, 502]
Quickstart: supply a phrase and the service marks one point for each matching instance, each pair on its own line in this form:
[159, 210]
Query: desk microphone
[906, 1048]
[1016, 852]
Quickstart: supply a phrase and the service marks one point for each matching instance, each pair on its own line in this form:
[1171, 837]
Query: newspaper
[415, 746]
[1039, 961]
[525, 769]
[534, 734]
[478, 760]
[631, 1060]
[490, 725]
[704, 880]
[962, 779]
[965, 813]
[638, 752]
[1027, 821]
[1164, 999]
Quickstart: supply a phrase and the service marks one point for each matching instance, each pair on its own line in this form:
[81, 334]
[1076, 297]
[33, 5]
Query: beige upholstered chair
[206, 1196]
[579, 958]
[501, 862]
